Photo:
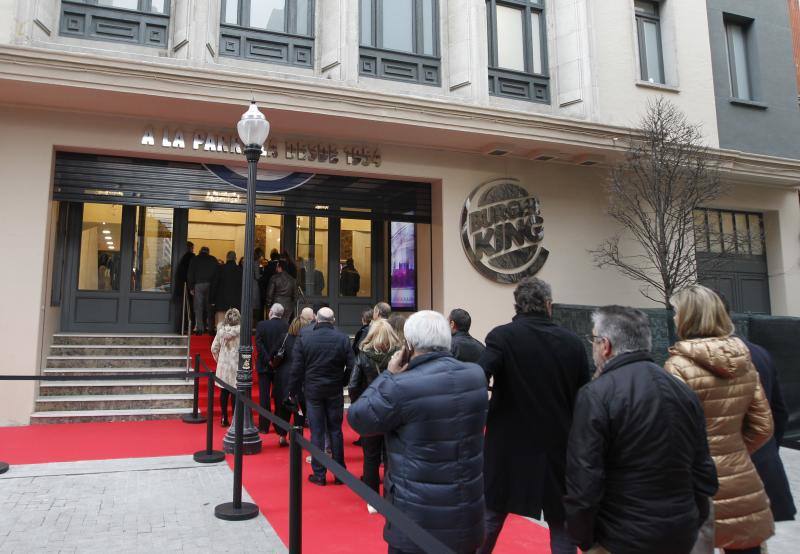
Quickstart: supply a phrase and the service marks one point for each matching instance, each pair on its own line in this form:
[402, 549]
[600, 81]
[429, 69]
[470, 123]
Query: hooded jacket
[738, 422]
[369, 364]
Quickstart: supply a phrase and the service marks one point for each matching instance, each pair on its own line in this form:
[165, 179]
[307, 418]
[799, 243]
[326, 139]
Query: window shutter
[180, 24]
[568, 62]
[44, 18]
[331, 38]
[459, 43]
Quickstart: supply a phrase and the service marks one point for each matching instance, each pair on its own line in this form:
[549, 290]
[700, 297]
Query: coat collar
[425, 358]
[323, 325]
[533, 316]
[628, 358]
[461, 334]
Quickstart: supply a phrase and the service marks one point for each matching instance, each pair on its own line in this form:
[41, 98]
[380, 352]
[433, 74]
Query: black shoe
[283, 442]
[317, 480]
[224, 422]
[337, 481]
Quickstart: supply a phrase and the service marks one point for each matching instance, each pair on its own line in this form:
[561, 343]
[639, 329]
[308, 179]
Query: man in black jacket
[321, 363]
[270, 335]
[639, 472]
[202, 270]
[464, 347]
[181, 273]
[538, 368]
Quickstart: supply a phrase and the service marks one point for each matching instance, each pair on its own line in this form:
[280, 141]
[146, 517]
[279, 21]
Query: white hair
[325, 315]
[428, 331]
[276, 310]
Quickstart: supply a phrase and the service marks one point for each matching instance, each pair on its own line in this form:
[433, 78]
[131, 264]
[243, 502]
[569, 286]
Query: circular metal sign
[502, 230]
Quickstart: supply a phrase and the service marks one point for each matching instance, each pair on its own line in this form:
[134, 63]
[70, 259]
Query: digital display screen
[403, 262]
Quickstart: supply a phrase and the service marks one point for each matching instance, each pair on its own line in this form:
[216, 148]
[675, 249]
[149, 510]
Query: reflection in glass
[510, 51]
[231, 16]
[728, 239]
[428, 19]
[536, 39]
[100, 241]
[700, 232]
[651, 47]
[403, 280]
[714, 235]
[312, 255]
[157, 6]
[268, 14]
[398, 25]
[366, 23]
[302, 17]
[355, 257]
[756, 234]
[742, 239]
[125, 4]
[152, 250]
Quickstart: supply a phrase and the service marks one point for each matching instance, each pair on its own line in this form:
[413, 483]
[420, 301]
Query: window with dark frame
[736, 34]
[648, 31]
[399, 40]
[144, 6]
[273, 31]
[138, 22]
[518, 49]
[730, 233]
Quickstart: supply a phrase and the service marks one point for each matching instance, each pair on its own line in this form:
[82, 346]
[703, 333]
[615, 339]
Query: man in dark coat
[639, 472]
[432, 413]
[181, 273]
[465, 347]
[537, 368]
[321, 364]
[227, 286]
[282, 290]
[349, 279]
[202, 270]
[270, 336]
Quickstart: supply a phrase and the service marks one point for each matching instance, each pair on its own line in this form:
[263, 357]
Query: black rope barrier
[195, 417]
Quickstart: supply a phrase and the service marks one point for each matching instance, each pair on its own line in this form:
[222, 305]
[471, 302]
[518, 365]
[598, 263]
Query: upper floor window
[400, 40]
[275, 31]
[517, 49]
[648, 30]
[137, 22]
[738, 68]
[146, 6]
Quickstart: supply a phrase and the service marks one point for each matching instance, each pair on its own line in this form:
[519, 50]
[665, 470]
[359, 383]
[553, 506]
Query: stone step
[129, 339]
[107, 415]
[54, 362]
[152, 386]
[145, 372]
[112, 402]
[117, 350]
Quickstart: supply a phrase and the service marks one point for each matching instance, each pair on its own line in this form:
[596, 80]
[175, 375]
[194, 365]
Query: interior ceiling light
[106, 232]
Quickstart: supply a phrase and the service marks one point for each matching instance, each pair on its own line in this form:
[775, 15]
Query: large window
[100, 260]
[400, 40]
[355, 257]
[312, 255]
[517, 49]
[648, 28]
[146, 6]
[152, 250]
[142, 22]
[279, 31]
[738, 67]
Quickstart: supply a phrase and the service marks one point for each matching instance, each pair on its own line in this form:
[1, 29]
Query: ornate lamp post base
[251, 443]
[229, 512]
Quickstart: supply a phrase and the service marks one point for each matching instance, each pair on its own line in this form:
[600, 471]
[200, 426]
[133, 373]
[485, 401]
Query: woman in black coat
[227, 285]
[280, 383]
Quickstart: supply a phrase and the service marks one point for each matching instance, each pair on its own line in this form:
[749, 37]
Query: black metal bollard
[295, 491]
[3, 467]
[209, 455]
[195, 416]
[237, 510]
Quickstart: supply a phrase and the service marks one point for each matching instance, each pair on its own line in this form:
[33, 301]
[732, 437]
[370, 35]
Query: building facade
[118, 142]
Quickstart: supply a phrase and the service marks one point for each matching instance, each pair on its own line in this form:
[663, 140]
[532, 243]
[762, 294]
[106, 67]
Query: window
[517, 49]
[152, 250]
[278, 31]
[731, 233]
[142, 22]
[145, 6]
[100, 260]
[355, 257]
[400, 40]
[312, 255]
[648, 29]
[736, 43]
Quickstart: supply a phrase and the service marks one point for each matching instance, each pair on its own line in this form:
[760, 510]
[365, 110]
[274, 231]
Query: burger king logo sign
[502, 231]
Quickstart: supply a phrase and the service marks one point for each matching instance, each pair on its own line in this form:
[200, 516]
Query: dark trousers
[560, 542]
[282, 412]
[264, 388]
[204, 317]
[373, 452]
[326, 414]
[223, 403]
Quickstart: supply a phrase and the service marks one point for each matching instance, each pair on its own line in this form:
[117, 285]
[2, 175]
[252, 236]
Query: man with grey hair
[639, 472]
[321, 364]
[538, 368]
[270, 334]
[431, 408]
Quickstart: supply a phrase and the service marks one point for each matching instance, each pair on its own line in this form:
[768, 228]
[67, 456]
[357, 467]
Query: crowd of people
[626, 457]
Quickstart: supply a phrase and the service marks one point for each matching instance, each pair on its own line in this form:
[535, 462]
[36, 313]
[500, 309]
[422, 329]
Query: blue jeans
[326, 414]
[560, 543]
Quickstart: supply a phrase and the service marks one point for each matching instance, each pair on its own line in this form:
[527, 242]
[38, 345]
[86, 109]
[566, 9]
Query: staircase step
[128, 339]
[82, 371]
[152, 386]
[112, 402]
[117, 350]
[54, 362]
[107, 415]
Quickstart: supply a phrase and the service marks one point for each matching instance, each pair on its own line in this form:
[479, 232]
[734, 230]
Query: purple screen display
[403, 284]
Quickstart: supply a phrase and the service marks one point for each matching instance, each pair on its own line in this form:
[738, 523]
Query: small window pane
[355, 248]
[714, 232]
[268, 14]
[231, 16]
[742, 238]
[126, 4]
[737, 58]
[157, 6]
[536, 39]
[100, 241]
[700, 232]
[727, 232]
[366, 23]
[398, 25]
[756, 234]
[312, 255]
[652, 72]
[428, 20]
[510, 51]
[302, 17]
[152, 250]
[647, 8]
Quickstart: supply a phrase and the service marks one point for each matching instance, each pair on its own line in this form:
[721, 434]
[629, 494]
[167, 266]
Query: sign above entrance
[228, 143]
[502, 231]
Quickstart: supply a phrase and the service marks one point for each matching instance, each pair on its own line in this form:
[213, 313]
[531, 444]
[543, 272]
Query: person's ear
[549, 308]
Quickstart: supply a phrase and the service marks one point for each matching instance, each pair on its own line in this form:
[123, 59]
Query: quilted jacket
[738, 422]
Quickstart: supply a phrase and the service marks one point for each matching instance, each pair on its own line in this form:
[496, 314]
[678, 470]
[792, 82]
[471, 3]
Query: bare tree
[667, 173]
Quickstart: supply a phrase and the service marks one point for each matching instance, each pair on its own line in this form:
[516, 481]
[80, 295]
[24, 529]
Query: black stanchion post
[3, 467]
[237, 510]
[295, 492]
[195, 416]
[209, 455]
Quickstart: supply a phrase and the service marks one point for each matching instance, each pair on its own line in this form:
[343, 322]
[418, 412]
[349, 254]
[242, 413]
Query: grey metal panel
[397, 66]
[96, 309]
[149, 310]
[512, 84]
[112, 24]
[254, 44]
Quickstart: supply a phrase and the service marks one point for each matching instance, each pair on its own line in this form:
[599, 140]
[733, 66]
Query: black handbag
[277, 357]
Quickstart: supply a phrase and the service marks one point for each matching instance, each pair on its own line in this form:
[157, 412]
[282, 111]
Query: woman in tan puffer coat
[717, 366]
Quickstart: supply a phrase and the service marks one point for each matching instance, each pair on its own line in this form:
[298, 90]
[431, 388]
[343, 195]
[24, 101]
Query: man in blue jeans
[321, 366]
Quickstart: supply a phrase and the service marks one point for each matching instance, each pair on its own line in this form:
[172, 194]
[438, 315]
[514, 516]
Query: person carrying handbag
[281, 364]
[270, 334]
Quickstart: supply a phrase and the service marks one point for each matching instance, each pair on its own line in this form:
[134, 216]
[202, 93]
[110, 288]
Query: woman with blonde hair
[717, 366]
[373, 357]
[225, 350]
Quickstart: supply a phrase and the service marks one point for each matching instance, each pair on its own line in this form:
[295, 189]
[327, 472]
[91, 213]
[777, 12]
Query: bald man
[307, 314]
[321, 364]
